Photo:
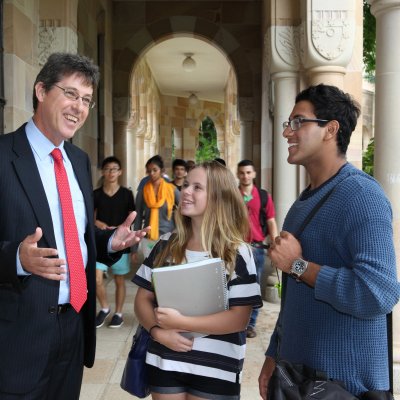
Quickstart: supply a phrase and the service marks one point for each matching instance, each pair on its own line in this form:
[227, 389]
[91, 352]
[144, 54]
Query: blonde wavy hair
[225, 223]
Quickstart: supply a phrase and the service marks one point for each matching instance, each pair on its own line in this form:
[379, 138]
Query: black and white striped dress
[214, 356]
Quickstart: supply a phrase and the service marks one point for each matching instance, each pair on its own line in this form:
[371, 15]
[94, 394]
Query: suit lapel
[28, 174]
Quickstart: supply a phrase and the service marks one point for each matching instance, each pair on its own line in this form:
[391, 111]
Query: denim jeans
[259, 258]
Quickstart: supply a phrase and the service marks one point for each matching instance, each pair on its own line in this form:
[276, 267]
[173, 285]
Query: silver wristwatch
[299, 266]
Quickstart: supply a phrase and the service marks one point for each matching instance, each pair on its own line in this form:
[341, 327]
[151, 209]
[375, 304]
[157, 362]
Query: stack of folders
[197, 288]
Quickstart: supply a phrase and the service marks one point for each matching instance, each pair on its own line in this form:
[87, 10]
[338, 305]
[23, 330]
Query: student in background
[179, 170]
[208, 367]
[155, 203]
[112, 204]
[261, 220]
[146, 178]
[190, 164]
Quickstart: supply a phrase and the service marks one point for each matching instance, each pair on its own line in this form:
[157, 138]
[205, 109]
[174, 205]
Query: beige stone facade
[268, 44]
[275, 48]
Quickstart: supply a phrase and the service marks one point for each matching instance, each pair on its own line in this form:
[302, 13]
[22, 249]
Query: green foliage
[368, 158]
[207, 149]
[369, 42]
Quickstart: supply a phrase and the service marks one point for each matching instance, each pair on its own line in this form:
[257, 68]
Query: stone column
[246, 117]
[282, 47]
[284, 174]
[329, 75]
[387, 142]
[121, 114]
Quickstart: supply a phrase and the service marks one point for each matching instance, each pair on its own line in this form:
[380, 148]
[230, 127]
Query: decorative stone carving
[327, 33]
[53, 38]
[141, 128]
[236, 127]
[287, 41]
[331, 32]
[47, 42]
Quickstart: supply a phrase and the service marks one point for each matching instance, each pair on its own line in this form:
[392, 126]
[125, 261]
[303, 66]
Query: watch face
[298, 267]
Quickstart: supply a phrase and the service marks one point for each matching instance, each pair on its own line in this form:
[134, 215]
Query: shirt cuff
[20, 269]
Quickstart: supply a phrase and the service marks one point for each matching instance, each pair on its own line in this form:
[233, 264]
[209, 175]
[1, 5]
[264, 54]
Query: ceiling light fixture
[188, 63]
[193, 99]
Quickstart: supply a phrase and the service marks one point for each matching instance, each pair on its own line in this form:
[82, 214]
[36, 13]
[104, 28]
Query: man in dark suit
[44, 340]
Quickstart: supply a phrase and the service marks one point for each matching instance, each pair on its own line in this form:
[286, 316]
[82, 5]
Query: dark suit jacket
[25, 320]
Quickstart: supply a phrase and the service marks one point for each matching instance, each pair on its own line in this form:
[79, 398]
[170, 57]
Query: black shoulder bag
[300, 382]
[262, 215]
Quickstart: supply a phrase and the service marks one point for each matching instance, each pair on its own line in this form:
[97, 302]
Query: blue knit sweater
[340, 325]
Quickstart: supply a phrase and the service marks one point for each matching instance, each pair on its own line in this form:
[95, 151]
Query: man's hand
[284, 250]
[124, 237]
[40, 261]
[265, 375]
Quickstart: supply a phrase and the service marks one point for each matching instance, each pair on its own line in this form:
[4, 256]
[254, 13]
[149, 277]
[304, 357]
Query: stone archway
[134, 36]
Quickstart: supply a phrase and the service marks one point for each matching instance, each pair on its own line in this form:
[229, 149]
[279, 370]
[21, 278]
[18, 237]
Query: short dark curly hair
[331, 103]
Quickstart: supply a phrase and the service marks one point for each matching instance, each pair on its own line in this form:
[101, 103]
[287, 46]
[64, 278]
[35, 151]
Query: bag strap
[262, 215]
[306, 221]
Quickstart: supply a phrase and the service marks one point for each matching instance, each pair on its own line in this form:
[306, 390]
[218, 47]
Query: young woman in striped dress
[211, 221]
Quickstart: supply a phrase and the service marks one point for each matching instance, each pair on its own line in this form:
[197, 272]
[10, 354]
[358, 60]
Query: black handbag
[297, 381]
[300, 382]
[134, 378]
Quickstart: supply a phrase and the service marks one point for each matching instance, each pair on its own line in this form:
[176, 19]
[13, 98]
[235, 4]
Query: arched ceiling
[207, 80]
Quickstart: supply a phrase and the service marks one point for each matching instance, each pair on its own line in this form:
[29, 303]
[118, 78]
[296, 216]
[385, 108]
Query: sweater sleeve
[272, 350]
[365, 285]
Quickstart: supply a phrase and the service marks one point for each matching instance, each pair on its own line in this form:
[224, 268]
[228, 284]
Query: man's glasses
[110, 170]
[73, 94]
[296, 123]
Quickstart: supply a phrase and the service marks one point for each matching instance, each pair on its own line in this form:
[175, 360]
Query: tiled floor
[102, 381]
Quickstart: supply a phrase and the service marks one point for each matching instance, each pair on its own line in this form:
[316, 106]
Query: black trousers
[62, 377]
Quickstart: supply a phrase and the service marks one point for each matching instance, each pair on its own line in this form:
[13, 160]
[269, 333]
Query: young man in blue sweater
[343, 267]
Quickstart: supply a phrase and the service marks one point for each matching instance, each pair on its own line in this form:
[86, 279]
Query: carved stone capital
[379, 7]
[329, 33]
[282, 48]
[53, 38]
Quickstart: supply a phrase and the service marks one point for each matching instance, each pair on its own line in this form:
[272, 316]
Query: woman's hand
[172, 339]
[168, 318]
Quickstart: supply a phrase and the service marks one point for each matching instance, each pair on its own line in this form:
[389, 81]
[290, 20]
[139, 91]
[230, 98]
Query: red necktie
[77, 276]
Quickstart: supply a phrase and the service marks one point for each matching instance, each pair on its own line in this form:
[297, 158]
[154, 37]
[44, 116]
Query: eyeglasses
[296, 123]
[73, 94]
[111, 170]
